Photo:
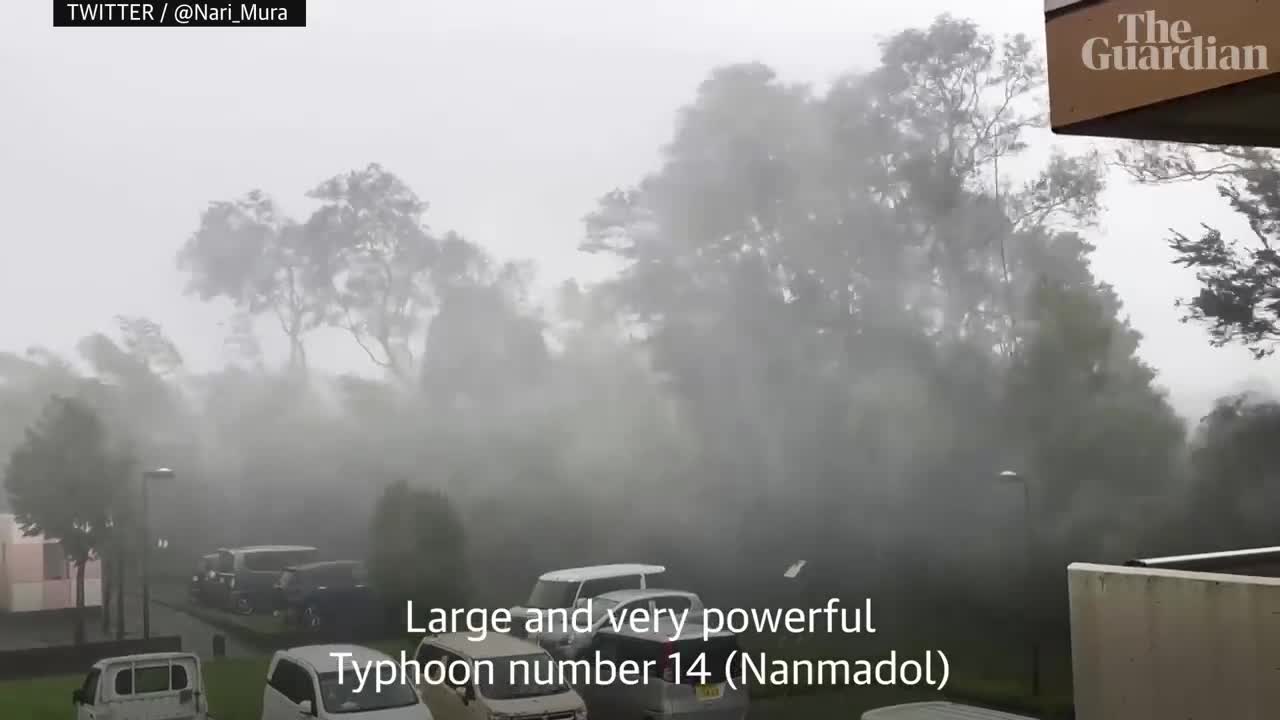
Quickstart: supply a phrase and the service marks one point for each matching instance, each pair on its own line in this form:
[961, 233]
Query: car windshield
[344, 697]
[521, 676]
[552, 594]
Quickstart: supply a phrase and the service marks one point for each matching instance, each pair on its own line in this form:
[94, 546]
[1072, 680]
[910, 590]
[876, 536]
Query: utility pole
[157, 474]
[1028, 577]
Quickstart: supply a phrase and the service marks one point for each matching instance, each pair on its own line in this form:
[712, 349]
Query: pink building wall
[23, 585]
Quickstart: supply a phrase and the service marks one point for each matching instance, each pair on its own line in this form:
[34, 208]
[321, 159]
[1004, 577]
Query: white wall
[1163, 644]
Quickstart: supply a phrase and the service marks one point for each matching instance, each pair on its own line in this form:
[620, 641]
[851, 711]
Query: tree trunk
[119, 567]
[106, 563]
[79, 637]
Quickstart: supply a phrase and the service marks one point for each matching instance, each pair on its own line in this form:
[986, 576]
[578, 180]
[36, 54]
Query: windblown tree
[1239, 297]
[134, 386]
[62, 482]
[27, 380]
[1236, 466]
[846, 294]
[485, 346]
[248, 252]
[380, 263]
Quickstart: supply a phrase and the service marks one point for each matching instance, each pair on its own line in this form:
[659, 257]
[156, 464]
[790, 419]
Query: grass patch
[234, 687]
[234, 690]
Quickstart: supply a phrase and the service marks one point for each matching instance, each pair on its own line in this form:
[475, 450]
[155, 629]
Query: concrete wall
[1162, 644]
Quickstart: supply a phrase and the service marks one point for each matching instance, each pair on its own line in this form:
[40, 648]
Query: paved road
[23, 631]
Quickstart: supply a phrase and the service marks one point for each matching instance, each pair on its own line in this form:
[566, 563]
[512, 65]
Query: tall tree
[372, 249]
[484, 347]
[249, 252]
[417, 548]
[63, 480]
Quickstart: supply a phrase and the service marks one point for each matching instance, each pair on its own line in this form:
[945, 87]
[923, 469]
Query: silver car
[938, 711]
[695, 696]
[614, 610]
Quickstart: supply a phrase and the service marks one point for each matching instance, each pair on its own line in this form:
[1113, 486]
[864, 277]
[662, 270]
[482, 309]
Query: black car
[204, 587]
[326, 593]
[250, 574]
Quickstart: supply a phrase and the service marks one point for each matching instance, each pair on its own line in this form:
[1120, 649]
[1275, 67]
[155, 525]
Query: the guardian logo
[1154, 44]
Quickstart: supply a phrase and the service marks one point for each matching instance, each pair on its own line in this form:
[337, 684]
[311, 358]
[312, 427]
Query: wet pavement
[27, 631]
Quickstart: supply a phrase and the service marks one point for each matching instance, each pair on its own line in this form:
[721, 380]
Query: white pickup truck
[155, 686]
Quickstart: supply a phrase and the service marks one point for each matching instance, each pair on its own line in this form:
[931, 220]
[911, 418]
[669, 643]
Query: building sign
[1146, 41]
[1106, 58]
[1051, 5]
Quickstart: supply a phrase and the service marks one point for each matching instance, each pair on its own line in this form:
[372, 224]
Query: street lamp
[156, 474]
[1029, 563]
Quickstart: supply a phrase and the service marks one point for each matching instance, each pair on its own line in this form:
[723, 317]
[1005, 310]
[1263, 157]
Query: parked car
[323, 593]
[303, 682]
[250, 573]
[205, 588]
[938, 711]
[664, 695]
[504, 694]
[613, 608]
[156, 685]
[563, 588]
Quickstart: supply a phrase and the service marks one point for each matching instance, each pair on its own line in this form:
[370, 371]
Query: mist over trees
[839, 318]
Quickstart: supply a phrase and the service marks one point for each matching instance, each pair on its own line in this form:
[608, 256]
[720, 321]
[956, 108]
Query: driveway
[34, 630]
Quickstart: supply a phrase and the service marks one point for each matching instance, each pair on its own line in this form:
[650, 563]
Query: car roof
[324, 564]
[494, 645]
[940, 710]
[600, 572]
[146, 657]
[321, 659]
[664, 630]
[637, 593]
[269, 548]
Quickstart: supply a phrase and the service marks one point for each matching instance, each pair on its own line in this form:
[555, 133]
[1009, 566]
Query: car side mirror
[77, 697]
[306, 708]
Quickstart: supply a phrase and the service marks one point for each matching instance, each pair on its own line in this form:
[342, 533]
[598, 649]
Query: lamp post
[149, 475]
[1010, 476]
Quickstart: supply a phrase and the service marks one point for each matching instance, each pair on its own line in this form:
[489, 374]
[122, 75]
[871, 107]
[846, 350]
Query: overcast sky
[510, 118]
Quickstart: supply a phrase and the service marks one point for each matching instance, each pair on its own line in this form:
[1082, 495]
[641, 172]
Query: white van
[507, 687]
[303, 682]
[564, 588]
[155, 686]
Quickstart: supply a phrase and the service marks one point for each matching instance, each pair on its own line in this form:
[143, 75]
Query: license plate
[710, 692]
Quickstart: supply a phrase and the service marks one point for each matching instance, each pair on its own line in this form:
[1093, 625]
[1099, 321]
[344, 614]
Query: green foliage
[65, 480]
[417, 549]
[1239, 297]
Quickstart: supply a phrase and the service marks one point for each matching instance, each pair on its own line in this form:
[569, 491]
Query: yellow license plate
[710, 692]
